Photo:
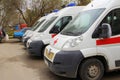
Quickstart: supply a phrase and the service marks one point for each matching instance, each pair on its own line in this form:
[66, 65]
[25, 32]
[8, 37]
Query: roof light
[71, 4]
[55, 10]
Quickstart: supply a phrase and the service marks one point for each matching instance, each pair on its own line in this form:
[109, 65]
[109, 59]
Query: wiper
[79, 33]
[68, 33]
[72, 33]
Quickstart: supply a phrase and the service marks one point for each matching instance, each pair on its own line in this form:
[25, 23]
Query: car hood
[59, 41]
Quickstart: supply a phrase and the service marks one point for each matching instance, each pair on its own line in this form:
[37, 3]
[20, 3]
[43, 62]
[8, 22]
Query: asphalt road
[16, 64]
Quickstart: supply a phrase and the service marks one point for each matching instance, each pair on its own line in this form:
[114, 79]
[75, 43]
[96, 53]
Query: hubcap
[93, 71]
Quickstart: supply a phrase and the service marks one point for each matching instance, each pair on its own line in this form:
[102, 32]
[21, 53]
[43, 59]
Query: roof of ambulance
[95, 4]
[42, 18]
[47, 17]
[69, 10]
[64, 11]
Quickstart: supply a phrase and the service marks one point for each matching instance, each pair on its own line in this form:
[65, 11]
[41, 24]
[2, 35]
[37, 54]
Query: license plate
[49, 54]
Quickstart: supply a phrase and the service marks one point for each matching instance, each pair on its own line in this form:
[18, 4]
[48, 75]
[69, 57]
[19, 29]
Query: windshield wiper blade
[69, 33]
[72, 33]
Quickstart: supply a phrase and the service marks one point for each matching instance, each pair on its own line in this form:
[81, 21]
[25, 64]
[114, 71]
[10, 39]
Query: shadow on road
[112, 75]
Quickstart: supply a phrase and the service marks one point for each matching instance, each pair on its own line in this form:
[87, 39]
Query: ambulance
[40, 40]
[89, 45]
[36, 27]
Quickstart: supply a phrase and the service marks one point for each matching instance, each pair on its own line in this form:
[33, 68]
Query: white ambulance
[89, 45]
[38, 41]
[36, 27]
[28, 33]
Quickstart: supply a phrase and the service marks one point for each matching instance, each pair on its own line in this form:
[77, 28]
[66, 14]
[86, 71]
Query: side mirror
[106, 31]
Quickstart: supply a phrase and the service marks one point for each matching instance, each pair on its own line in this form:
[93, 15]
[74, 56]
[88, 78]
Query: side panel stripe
[106, 41]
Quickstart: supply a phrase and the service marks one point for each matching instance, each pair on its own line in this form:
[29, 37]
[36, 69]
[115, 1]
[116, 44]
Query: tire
[91, 69]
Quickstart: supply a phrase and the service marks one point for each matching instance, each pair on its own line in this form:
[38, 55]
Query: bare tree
[83, 2]
[39, 8]
[10, 9]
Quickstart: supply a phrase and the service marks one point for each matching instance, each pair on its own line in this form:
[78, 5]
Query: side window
[116, 22]
[113, 18]
[107, 19]
[61, 24]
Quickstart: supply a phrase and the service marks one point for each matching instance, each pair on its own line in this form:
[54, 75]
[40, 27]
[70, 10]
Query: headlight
[36, 38]
[73, 42]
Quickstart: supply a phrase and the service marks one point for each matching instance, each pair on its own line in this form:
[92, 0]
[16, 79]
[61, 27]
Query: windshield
[37, 24]
[82, 22]
[47, 24]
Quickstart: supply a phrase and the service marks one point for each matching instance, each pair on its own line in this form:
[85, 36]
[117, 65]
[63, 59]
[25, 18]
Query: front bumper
[36, 48]
[65, 63]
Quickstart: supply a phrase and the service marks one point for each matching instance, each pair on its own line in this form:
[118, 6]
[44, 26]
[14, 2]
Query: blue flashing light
[71, 4]
[55, 10]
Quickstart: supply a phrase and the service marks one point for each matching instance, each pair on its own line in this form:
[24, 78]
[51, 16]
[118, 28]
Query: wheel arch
[101, 58]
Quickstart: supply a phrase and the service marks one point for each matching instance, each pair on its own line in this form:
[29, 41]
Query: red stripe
[55, 41]
[53, 35]
[108, 41]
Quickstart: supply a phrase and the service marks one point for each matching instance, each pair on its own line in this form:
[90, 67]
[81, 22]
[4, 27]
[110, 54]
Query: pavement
[16, 64]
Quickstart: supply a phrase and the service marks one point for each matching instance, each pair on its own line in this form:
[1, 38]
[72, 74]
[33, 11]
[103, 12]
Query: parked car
[19, 34]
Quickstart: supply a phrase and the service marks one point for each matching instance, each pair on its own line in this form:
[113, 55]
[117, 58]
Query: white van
[36, 27]
[89, 45]
[37, 42]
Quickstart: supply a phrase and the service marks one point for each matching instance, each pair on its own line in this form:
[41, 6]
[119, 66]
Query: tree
[83, 2]
[8, 11]
[19, 11]
[39, 8]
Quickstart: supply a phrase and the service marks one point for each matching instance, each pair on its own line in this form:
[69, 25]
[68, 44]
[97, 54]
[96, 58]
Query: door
[110, 47]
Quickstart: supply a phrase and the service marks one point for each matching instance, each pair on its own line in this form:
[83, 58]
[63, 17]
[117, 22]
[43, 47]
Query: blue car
[20, 33]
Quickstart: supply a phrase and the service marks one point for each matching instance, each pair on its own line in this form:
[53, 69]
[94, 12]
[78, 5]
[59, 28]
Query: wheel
[91, 69]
